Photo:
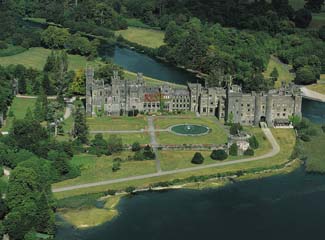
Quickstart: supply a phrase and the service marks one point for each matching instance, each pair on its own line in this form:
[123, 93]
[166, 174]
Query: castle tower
[269, 108]
[258, 104]
[89, 85]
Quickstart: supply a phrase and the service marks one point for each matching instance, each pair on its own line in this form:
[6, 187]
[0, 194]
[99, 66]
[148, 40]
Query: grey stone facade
[122, 96]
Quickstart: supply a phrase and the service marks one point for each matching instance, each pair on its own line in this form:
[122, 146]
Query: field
[218, 134]
[145, 37]
[95, 169]
[19, 108]
[36, 58]
[315, 152]
[116, 124]
[283, 70]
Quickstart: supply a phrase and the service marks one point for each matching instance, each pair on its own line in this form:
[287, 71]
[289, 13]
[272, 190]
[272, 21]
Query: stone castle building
[121, 97]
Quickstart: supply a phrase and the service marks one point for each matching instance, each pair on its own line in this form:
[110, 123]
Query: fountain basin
[190, 130]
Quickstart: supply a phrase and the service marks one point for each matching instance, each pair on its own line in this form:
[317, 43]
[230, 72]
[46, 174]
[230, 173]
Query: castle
[121, 97]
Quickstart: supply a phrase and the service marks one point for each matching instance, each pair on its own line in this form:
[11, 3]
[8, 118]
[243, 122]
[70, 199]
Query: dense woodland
[213, 37]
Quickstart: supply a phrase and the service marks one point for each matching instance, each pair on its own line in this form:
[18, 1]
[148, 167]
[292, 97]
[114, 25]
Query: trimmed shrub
[235, 128]
[253, 143]
[197, 158]
[249, 152]
[233, 150]
[136, 147]
[130, 189]
[219, 155]
[305, 138]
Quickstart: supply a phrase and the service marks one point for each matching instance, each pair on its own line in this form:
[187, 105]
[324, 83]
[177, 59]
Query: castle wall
[123, 96]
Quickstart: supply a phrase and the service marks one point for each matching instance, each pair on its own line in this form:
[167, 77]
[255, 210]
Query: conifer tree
[80, 130]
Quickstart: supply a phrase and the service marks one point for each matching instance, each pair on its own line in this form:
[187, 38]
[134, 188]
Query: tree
[253, 143]
[55, 37]
[314, 5]
[45, 220]
[27, 134]
[275, 74]
[233, 150]
[60, 162]
[322, 33]
[303, 18]
[99, 145]
[78, 86]
[136, 147]
[115, 144]
[219, 154]
[235, 128]
[116, 164]
[249, 152]
[305, 76]
[197, 158]
[80, 128]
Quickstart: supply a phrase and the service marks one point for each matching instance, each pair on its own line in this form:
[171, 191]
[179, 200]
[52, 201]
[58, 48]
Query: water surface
[138, 62]
[279, 207]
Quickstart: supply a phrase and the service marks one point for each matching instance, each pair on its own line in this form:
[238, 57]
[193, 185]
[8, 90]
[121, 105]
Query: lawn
[117, 123]
[171, 160]
[285, 137]
[19, 108]
[283, 70]
[145, 37]
[130, 138]
[36, 58]
[315, 152]
[218, 134]
[94, 169]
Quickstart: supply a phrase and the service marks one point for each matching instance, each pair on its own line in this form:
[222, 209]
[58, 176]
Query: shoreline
[213, 183]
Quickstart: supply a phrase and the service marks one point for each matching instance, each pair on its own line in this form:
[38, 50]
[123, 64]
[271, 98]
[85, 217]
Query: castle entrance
[263, 119]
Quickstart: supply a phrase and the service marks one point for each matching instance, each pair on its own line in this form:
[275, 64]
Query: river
[138, 62]
[279, 207]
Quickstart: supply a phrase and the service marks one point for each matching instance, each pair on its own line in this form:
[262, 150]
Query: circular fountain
[190, 130]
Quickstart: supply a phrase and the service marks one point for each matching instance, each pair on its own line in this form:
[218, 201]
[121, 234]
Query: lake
[279, 207]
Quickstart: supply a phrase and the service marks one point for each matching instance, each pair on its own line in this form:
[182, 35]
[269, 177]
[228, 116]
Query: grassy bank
[88, 215]
[314, 151]
[285, 138]
[143, 36]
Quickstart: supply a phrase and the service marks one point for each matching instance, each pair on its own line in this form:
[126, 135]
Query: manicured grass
[171, 160]
[320, 88]
[218, 135]
[19, 108]
[130, 138]
[36, 58]
[95, 169]
[145, 37]
[315, 153]
[285, 137]
[90, 217]
[117, 123]
[283, 70]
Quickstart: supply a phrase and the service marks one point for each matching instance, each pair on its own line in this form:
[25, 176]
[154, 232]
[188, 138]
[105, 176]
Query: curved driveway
[275, 150]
